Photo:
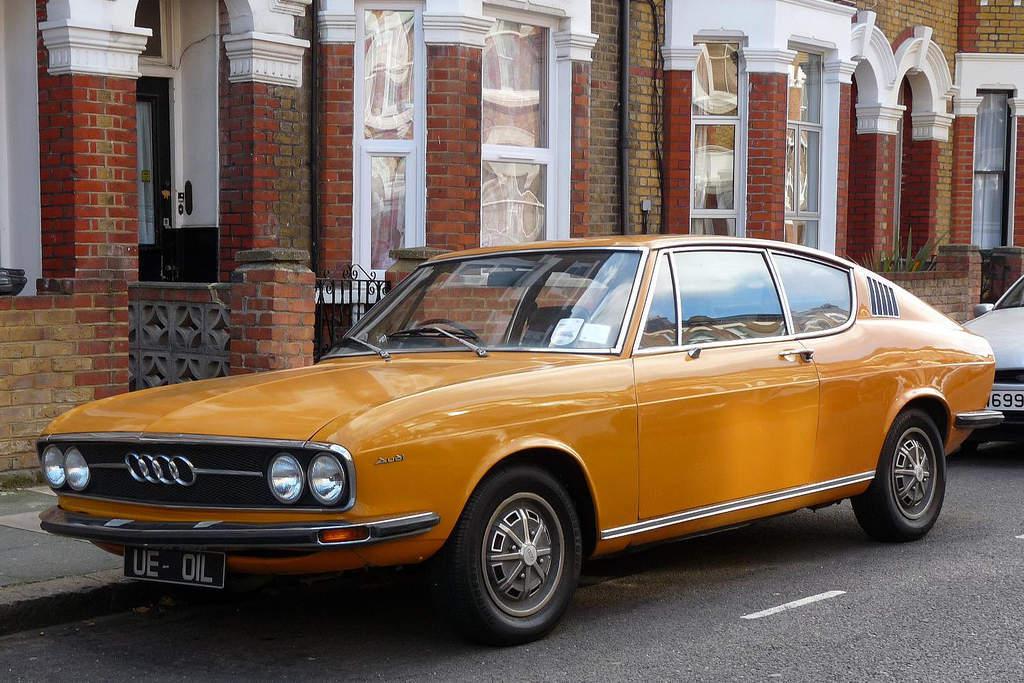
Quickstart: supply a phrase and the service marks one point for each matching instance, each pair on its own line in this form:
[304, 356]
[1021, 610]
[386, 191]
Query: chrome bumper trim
[228, 535]
[979, 419]
[733, 506]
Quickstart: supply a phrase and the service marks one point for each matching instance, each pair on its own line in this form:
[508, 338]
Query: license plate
[186, 568]
[1006, 400]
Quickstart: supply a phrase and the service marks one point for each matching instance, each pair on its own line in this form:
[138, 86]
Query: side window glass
[818, 295]
[727, 296]
[660, 325]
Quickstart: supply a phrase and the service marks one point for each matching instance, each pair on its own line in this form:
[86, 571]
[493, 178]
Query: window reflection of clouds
[388, 74]
[818, 295]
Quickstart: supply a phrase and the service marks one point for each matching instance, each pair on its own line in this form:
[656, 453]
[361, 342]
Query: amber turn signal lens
[356, 533]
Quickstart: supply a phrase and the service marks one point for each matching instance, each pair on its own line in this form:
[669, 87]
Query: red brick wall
[453, 146]
[967, 26]
[678, 102]
[766, 156]
[843, 177]
[336, 93]
[963, 179]
[953, 287]
[56, 352]
[579, 196]
[872, 174]
[87, 154]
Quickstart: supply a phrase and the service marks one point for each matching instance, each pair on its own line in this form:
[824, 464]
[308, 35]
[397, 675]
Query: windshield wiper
[420, 332]
[376, 349]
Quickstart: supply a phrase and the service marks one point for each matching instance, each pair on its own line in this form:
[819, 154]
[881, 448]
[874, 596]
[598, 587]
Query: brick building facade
[173, 171]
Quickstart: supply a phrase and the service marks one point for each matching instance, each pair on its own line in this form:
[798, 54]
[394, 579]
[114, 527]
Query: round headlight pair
[67, 467]
[326, 478]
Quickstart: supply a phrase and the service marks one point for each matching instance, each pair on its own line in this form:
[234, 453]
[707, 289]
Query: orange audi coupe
[508, 412]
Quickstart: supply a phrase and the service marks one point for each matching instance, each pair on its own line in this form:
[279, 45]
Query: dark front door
[153, 114]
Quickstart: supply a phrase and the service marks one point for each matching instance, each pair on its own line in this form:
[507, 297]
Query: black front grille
[1010, 376]
[111, 478]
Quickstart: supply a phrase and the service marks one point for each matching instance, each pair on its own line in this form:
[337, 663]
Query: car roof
[648, 242]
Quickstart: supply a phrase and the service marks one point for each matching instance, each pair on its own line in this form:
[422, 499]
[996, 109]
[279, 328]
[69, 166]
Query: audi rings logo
[161, 469]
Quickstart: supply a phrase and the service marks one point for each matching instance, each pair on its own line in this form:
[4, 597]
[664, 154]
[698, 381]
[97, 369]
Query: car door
[727, 400]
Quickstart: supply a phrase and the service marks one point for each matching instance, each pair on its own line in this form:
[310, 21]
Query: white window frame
[413, 150]
[739, 163]
[1008, 173]
[548, 156]
[798, 125]
[170, 48]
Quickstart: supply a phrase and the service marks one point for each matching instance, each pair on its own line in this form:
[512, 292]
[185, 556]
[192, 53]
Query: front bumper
[979, 419]
[232, 535]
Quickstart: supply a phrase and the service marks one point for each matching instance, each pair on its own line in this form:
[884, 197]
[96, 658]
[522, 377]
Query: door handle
[806, 355]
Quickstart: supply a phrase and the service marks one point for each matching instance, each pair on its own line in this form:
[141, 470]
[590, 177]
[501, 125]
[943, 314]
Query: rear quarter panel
[870, 373]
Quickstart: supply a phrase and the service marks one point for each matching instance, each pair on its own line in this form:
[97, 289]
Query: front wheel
[906, 495]
[509, 570]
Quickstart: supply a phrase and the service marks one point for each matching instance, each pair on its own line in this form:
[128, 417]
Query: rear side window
[727, 296]
[660, 324]
[818, 295]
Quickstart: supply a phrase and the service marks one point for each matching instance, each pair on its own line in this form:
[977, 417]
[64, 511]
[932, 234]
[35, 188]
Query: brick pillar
[766, 155]
[87, 158]
[272, 310]
[919, 201]
[336, 94]
[962, 208]
[967, 26]
[843, 176]
[263, 144]
[678, 106]
[965, 260]
[1007, 265]
[872, 174]
[453, 146]
[579, 195]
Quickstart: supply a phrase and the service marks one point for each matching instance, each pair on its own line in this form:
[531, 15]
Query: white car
[1002, 324]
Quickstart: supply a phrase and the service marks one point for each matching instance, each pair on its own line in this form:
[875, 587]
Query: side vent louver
[883, 300]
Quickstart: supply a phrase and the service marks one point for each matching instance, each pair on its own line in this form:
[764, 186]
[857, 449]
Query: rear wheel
[508, 572]
[906, 495]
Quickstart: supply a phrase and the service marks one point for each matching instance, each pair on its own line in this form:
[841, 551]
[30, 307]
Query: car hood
[292, 404]
[1004, 330]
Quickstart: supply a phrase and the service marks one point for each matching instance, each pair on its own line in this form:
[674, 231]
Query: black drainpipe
[624, 63]
[314, 143]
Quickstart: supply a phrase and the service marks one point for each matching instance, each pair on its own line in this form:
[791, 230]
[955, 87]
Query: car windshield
[574, 299]
[1015, 297]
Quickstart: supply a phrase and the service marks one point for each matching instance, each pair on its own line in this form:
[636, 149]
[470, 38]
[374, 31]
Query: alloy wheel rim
[913, 473]
[522, 555]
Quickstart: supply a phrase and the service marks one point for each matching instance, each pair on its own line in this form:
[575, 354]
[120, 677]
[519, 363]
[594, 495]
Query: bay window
[517, 181]
[716, 136]
[389, 131]
[803, 150]
[991, 161]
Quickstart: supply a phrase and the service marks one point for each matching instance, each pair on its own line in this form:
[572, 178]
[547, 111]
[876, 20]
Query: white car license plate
[1001, 399]
[203, 569]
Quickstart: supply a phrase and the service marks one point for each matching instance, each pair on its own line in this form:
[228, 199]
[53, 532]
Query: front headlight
[286, 478]
[53, 466]
[326, 479]
[76, 469]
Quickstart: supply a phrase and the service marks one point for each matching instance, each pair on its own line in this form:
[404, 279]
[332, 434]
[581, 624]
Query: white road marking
[793, 605]
[1021, 537]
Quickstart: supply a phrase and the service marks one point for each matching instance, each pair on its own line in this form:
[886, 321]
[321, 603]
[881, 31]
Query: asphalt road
[949, 607]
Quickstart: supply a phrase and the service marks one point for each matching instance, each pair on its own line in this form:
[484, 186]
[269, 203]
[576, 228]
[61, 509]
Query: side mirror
[982, 309]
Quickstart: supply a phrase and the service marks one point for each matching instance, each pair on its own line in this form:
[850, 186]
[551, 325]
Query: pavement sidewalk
[46, 579]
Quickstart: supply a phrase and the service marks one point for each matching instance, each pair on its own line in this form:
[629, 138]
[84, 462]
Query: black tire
[886, 511]
[466, 587]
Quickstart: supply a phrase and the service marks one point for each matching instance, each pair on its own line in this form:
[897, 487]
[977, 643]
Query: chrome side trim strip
[733, 506]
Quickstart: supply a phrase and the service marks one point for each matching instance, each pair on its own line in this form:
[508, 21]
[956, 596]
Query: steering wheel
[450, 323]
